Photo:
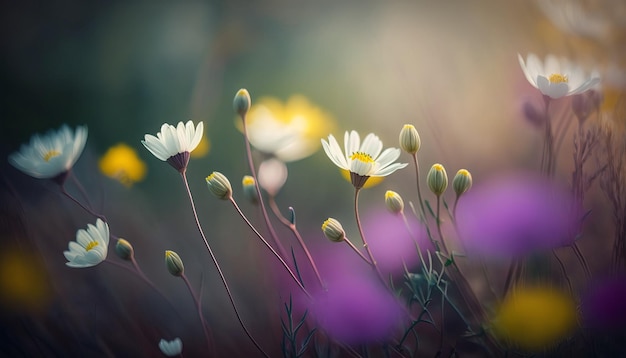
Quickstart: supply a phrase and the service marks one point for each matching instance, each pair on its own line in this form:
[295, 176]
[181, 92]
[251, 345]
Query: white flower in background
[272, 175]
[289, 131]
[171, 348]
[90, 247]
[556, 77]
[574, 18]
[52, 154]
[363, 160]
[174, 144]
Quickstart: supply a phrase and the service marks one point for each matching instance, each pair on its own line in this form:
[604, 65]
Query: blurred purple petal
[516, 215]
[391, 243]
[356, 309]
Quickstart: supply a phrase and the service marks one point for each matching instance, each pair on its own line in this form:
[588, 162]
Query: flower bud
[249, 189]
[462, 182]
[394, 202]
[437, 179]
[409, 139]
[333, 230]
[241, 102]
[174, 263]
[124, 249]
[219, 186]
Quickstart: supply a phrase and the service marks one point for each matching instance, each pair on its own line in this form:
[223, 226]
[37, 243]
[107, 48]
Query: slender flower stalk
[242, 111]
[77, 202]
[365, 244]
[217, 266]
[292, 226]
[243, 216]
[196, 301]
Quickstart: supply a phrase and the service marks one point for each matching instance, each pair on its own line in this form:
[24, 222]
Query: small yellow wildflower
[535, 318]
[121, 163]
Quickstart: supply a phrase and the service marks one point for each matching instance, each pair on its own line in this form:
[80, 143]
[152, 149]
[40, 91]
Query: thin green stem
[268, 223]
[135, 270]
[365, 244]
[77, 202]
[296, 233]
[349, 243]
[419, 191]
[232, 200]
[217, 266]
[408, 229]
[196, 301]
[443, 242]
[564, 272]
[581, 259]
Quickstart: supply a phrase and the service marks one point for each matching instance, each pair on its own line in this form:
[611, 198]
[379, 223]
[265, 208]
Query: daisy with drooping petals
[555, 77]
[90, 247]
[363, 160]
[174, 144]
[51, 155]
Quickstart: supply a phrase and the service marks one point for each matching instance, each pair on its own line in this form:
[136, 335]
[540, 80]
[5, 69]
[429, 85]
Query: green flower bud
[333, 230]
[462, 182]
[174, 263]
[219, 186]
[124, 249]
[409, 139]
[437, 179]
[394, 202]
[241, 102]
[249, 189]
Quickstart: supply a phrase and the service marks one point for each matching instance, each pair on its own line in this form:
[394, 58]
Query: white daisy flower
[51, 155]
[90, 247]
[173, 144]
[556, 77]
[171, 348]
[363, 160]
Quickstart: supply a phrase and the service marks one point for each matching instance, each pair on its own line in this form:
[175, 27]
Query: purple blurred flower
[516, 215]
[356, 309]
[603, 306]
[390, 241]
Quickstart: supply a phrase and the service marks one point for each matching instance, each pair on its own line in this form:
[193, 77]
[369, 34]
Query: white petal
[372, 145]
[353, 144]
[197, 136]
[333, 152]
[388, 156]
[390, 169]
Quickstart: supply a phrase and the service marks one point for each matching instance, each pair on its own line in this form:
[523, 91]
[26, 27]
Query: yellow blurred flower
[535, 318]
[23, 281]
[290, 131]
[121, 163]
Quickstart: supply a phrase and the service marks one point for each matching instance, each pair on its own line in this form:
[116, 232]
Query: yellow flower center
[438, 167]
[363, 157]
[247, 180]
[51, 154]
[557, 78]
[91, 245]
